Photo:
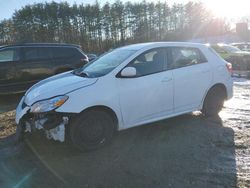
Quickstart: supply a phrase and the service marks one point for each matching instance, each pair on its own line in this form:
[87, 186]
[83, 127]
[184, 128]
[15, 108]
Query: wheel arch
[215, 86]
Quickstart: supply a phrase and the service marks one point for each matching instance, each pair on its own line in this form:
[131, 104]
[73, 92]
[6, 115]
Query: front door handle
[166, 79]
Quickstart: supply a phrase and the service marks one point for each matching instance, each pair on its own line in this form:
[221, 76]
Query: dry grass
[7, 124]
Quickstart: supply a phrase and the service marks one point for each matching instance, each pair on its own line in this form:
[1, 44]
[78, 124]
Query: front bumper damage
[52, 124]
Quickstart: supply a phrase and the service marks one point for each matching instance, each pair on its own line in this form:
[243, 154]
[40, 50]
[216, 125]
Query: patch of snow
[241, 81]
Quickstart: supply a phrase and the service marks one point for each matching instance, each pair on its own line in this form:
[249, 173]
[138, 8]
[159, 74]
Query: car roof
[140, 46]
[41, 44]
[220, 45]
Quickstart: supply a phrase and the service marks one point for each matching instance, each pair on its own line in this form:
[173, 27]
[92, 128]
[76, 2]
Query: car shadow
[186, 151]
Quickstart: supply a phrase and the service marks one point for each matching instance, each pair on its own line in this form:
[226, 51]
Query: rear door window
[44, 53]
[185, 56]
[30, 53]
[36, 53]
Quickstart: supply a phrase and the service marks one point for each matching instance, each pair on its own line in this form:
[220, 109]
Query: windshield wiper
[84, 74]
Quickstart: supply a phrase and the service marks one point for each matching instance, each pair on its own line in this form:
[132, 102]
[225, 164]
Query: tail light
[229, 68]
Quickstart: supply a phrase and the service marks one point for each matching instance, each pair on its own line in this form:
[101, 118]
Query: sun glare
[229, 8]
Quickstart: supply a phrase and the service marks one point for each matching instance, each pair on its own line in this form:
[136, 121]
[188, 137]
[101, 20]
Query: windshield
[105, 64]
[231, 49]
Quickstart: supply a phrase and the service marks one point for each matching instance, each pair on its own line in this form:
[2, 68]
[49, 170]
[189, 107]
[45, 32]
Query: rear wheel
[92, 129]
[214, 101]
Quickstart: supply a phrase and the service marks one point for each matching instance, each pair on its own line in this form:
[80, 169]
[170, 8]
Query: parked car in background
[92, 57]
[240, 59]
[127, 87]
[22, 65]
[244, 46]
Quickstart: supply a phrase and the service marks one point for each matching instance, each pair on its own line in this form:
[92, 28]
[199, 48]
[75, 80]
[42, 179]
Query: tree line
[98, 28]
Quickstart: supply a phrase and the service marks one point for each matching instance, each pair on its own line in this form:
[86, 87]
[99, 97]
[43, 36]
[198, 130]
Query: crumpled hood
[56, 85]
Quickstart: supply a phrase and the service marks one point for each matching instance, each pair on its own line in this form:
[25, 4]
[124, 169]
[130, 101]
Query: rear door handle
[166, 79]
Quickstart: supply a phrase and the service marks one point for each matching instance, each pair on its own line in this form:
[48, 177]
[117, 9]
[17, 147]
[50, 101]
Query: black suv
[23, 65]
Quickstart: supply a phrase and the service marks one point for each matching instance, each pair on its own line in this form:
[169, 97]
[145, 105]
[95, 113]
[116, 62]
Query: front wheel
[92, 129]
[214, 102]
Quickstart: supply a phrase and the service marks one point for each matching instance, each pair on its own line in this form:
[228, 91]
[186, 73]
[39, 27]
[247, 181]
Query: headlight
[49, 104]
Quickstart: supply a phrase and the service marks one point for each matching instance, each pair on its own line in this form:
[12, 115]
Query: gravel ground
[236, 115]
[186, 151]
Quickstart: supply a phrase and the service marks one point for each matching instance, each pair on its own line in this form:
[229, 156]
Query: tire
[92, 129]
[214, 102]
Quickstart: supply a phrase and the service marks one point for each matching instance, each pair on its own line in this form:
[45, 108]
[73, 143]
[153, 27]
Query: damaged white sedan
[129, 86]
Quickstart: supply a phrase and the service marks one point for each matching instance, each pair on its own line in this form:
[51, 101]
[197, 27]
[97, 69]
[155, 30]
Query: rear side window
[64, 52]
[184, 56]
[37, 53]
[8, 55]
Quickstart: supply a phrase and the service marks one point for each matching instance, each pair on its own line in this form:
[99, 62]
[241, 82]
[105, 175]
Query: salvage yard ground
[186, 151]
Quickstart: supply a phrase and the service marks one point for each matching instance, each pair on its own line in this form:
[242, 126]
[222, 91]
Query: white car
[127, 87]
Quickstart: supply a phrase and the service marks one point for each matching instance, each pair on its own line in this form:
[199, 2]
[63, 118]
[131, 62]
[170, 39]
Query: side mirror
[128, 72]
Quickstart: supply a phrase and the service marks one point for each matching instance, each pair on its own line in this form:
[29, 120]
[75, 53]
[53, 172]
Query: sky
[232, 9]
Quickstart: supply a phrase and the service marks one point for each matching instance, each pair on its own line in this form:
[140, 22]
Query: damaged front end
[36, 118]
[52, 124]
